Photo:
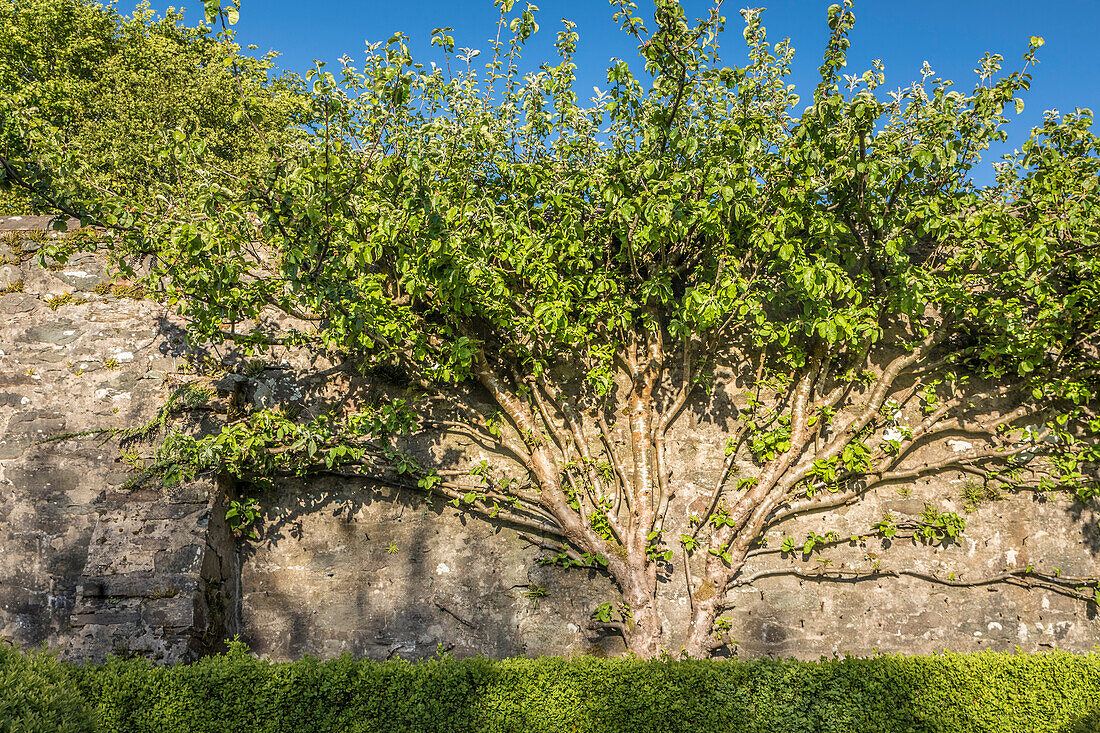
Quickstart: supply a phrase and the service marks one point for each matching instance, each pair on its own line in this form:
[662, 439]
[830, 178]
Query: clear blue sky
[951, 36]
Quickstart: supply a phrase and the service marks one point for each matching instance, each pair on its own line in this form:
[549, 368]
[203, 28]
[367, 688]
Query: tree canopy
[111, 88]
[593, 268]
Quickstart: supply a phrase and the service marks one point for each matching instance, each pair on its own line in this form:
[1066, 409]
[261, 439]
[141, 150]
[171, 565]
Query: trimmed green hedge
[948, 693]
[37, 695]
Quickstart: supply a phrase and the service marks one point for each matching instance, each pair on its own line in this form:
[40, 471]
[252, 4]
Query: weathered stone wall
[322, 579]
[90, 567]
[377, 572]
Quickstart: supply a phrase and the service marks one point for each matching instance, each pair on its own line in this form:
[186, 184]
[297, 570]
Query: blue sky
[951, 36]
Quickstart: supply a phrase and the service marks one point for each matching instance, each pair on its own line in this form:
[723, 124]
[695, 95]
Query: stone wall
[91, 566]
[377, 572]
[87, 565]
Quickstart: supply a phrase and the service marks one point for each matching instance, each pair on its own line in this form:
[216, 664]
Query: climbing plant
[599, 271]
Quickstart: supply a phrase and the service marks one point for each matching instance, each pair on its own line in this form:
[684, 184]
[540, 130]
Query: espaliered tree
[595, 270]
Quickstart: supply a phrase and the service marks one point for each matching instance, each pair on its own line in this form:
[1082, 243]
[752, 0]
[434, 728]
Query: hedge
[945, 693]
[38, 695]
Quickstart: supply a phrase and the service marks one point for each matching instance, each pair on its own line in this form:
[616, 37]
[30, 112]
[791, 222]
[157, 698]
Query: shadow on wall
[383, 605]
[351, 594]
[371, 584]
[1089, 518]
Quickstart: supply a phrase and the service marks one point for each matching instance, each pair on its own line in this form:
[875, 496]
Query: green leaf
[923, 156]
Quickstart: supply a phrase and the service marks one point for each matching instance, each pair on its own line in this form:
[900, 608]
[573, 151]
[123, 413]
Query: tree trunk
[644, 632]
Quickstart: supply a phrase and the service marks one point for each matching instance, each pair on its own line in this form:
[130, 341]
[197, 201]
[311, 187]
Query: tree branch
[1063, 585]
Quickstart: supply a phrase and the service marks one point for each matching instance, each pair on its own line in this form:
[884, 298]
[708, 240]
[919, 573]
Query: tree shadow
[336, 388]
[435, 592]
[358, 501]
[1088, 515]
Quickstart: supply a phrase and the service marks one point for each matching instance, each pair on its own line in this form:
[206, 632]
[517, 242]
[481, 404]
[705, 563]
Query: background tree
[595, 271]
[112, 88]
